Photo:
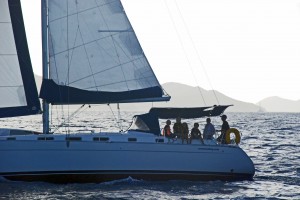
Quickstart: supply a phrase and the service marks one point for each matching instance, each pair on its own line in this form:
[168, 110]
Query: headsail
[17, 85]
[95, 56]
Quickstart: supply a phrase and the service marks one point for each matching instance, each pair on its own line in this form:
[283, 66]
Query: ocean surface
[272, 140]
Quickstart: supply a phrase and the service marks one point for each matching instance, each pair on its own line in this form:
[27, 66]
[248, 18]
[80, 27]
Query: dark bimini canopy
[188, 113]
[146, 123]
[149, 122]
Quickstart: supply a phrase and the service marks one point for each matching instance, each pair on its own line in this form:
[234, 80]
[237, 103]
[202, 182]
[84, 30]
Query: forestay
[17, 85]
[95, 56]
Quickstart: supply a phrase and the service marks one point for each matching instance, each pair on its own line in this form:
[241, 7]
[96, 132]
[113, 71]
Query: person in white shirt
[209, 130]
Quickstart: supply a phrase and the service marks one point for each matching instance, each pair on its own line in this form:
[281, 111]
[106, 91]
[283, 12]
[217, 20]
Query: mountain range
[189, 96]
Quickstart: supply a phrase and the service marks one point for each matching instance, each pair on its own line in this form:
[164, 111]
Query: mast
[45, 63]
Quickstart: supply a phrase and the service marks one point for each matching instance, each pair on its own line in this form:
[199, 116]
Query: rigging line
[114, 116]
[112, 38]
[76, 112]
[68, 78]
[197, 53]
[56, 68]
[55, 65]
[119, 116]
[58, 117]
[86, 52]
[121, 65]
[72, 49]
[186, 56]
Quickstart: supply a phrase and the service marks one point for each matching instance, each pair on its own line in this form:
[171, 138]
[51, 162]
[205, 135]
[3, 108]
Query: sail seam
[83, 11]
[102, 71]
[83, 44]
[120, 82]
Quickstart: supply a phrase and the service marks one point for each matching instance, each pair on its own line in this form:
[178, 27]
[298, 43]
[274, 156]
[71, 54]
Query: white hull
[103, 157]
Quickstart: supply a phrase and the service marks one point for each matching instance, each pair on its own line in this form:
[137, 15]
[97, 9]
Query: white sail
[11, 85]
[92, 47]
[17, 89]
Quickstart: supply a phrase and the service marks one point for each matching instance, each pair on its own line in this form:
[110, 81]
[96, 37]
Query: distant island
[277, 104]
[188, 96]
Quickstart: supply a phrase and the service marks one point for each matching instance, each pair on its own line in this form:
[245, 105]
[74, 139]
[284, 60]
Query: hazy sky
[246, 49]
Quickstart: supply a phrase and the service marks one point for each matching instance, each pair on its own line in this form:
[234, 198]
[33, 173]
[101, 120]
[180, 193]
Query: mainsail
[17, 85]
[95, 56]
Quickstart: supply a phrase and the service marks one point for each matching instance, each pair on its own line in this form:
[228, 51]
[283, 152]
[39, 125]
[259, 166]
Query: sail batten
[93, 50]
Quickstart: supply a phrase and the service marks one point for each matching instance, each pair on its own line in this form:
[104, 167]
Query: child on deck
[167, 130]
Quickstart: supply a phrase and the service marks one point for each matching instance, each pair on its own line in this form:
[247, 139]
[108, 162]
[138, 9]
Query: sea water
[272, 140]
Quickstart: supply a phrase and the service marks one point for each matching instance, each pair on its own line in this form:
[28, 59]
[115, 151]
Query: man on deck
[224, 129]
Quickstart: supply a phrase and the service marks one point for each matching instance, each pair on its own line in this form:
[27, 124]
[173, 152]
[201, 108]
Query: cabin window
[159, 140]
[132, 139]
[73, 138]
[45, 138]
[102, 139]
[11, 138]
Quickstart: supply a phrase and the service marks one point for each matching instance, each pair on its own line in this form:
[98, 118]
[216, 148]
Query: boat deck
[108, 137]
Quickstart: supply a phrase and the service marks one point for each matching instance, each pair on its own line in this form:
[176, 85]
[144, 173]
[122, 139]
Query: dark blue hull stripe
[103, 176]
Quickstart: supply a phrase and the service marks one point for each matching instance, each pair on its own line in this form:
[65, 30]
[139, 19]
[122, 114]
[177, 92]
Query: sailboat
[91, 55]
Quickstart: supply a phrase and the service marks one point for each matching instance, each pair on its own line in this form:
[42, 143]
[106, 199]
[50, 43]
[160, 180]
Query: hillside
[277, 104]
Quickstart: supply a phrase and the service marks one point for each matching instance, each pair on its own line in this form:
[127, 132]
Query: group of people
[181, 130]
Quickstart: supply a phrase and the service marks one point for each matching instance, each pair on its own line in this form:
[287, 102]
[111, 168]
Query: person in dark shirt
[195, 133]
[224, 129]
[185, 133]
[177, 128]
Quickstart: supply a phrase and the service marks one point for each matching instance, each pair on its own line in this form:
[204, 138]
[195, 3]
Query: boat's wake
[120, 181]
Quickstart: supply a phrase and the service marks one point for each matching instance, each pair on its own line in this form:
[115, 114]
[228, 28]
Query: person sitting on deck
[167, 130]
[177, 128]
[209, 130]
[196, 133]
[185, 133]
